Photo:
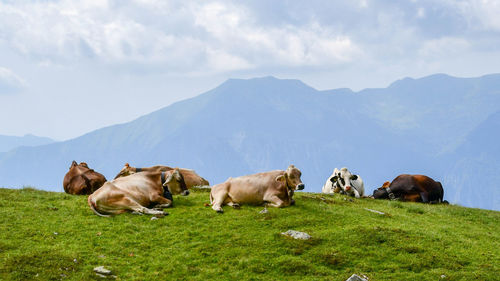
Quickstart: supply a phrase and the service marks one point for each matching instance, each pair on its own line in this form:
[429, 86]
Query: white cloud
[481, 14]
[443, 47]
[420, 12]
[10, 82]
[203, 36]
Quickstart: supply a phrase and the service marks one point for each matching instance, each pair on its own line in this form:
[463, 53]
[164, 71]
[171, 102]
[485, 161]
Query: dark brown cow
[274, 187]
[414, 188]
[80, 179]
[138, 193]
[190, 176]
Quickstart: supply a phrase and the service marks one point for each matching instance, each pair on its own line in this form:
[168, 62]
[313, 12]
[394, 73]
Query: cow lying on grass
[343, 181]
[414, 188]
[275, 188]
[80, 179]
[190, 176]
[139, 193]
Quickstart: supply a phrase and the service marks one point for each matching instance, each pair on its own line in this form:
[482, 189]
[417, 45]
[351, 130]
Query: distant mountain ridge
[246, 126]
[10, 142]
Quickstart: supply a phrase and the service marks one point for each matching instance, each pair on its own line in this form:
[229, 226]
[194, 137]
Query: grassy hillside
[55, 236]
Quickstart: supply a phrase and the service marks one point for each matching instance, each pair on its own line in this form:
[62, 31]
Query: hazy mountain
[247, 126]
[9, 142]
[475, 167]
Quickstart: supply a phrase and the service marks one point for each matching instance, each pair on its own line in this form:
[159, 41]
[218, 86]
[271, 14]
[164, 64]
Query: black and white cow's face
[342, 178]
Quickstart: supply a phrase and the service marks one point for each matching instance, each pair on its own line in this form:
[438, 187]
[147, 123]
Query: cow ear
[127, 165]
[386, 184]
[354, 177]
[334, 179]
[291, 166]
[281, 178]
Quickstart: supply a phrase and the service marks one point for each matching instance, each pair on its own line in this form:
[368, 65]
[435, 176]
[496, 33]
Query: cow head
[79, 167]
[125, 171]
[175, 182]
[342, 179]
[80, 179]
[382, 192]
[291, 178]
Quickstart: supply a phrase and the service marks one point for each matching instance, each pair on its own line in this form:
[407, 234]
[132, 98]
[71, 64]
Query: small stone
[102, 270]
[75, 261]
[443, 276]
[98, 233]
[297, 235]
[154, 218]
[55, 233]
[355, 277]
[265, 211]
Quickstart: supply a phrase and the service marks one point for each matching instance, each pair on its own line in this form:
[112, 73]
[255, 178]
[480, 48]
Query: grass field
[55, 236]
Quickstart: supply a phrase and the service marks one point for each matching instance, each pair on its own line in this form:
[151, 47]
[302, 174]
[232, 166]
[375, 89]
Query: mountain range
[442, 126]
[10, 142]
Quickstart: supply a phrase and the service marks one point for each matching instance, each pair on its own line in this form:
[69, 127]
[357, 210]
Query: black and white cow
[343, 181]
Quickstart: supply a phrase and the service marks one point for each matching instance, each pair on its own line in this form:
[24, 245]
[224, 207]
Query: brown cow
[414, 188]
[274, 187]
[190, 176]
[80, 179]
[138, 193]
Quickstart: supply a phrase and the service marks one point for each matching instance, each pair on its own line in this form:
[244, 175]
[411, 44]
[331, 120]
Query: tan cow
[190, 176]
[80, 179]
[275, 188]
[138, 193]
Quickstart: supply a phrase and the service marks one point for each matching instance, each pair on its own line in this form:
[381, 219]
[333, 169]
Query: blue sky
[69, 67]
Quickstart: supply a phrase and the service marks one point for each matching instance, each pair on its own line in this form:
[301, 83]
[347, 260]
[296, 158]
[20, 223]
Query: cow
[190, 176]
[81, 180]
[275, 188]
[144, 193]
[414, 188]
[344, 182]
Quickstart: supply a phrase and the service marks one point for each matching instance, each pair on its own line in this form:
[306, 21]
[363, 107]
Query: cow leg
[219, 199]
[219, 195]
[234, 205]
[411, 197]
[424, 196]
[161, 202]
[356, 193]
[275, 201]
[135, 207]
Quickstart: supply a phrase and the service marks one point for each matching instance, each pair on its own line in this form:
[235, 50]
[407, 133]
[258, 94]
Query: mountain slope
[247, 126]
[41, 237]
[475, 166]
[241, 127]
[9, 142]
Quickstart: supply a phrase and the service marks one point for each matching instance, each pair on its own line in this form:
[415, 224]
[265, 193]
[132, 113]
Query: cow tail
[94, 209]
[441, 193]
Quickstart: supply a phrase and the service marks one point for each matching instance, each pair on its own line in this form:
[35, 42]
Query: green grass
[411, 242]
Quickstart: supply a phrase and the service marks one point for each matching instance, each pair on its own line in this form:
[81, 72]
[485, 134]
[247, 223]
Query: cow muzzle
[185, 193]
[300, 186]
[347, 188]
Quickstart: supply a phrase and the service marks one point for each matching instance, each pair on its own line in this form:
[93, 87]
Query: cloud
[195, 36]
[213, 37]
[10, 83]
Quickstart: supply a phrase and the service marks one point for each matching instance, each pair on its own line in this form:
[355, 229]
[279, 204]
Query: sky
[70, 67]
